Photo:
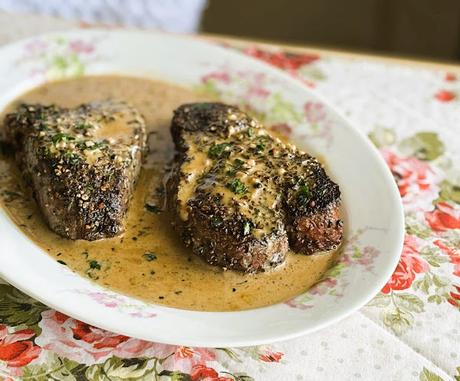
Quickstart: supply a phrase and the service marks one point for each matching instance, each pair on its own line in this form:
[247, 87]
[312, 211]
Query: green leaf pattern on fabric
[449, 192]
[116, 369]
[16, 308]
[422, 145]
[382, 136]
[54, 368]
[427, 375]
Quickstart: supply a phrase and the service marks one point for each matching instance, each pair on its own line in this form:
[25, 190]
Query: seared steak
[240, 197]
[81, 163]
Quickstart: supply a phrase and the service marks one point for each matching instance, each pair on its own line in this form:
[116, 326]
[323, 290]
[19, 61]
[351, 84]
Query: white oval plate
[374, 212]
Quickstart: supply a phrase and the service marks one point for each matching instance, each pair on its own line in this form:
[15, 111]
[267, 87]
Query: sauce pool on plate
[149, 261]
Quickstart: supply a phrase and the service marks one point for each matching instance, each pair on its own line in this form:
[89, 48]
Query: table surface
[411, 330]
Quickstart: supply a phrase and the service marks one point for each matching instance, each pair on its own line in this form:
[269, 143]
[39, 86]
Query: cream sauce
[193, 169]
[149, 261]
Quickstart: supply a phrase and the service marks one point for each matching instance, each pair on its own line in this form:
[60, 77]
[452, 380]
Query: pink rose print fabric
[412, 116]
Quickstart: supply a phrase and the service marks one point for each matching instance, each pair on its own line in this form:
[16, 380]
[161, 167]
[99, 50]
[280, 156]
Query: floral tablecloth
[411, 330]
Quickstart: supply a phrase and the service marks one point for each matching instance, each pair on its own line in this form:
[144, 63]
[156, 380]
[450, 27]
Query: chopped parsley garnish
[81, 144]
[260, 147]
[219, 150]
[237, 164]
[250, 131]
[303, 195]
[97, 145]
[94, 265]
[152, 208]
[261, 143]
[60, 136]
[72, 158]
[246, 227]
[216, 221]
[237, 187]
[83, 126]
[149, 256]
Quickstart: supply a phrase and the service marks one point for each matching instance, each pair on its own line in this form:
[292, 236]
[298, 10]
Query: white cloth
[181, 16]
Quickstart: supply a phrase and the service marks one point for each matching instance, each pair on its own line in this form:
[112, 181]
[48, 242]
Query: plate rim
[15, 279]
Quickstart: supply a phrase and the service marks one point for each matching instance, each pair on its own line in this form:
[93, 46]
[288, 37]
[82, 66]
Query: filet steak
[240, 197]
[81, 163]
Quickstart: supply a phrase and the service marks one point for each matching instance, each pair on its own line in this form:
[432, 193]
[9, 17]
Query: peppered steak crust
[241, 197]
[82, 178]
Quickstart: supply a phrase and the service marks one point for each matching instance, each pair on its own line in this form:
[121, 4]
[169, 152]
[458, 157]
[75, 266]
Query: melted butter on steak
[192, 171]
